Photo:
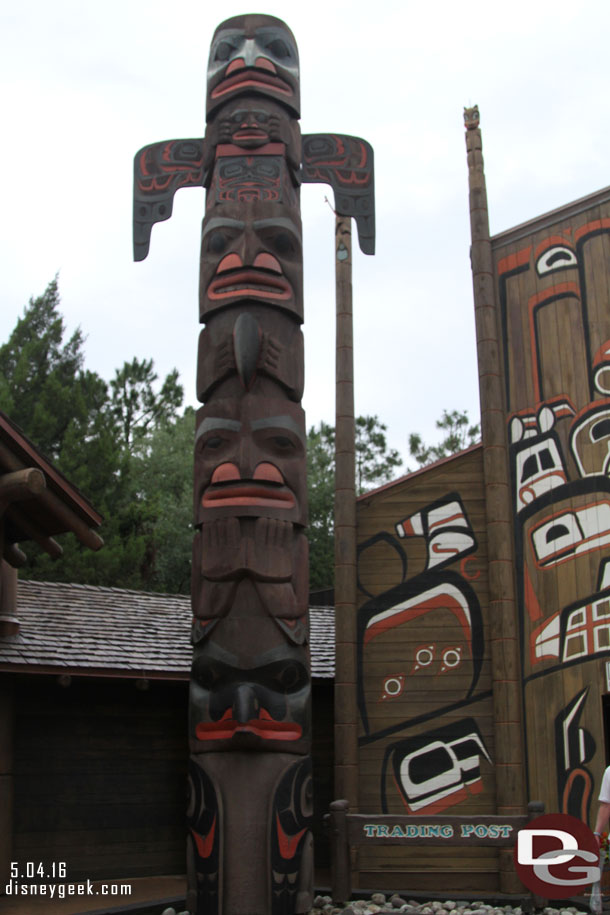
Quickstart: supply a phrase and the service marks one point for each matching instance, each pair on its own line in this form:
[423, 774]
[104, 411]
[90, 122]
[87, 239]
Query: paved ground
[143, 889]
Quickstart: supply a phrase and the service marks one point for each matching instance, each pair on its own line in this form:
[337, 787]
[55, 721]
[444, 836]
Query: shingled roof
[83, 629]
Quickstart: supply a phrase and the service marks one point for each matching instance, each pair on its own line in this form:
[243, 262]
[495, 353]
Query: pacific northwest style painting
[553, 297]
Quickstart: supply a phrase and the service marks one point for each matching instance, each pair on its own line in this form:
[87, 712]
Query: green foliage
[321, 495]
[375, 465]
[459, 434]
[136, 406]
[126, 449]
[44, 389]
[164, 482]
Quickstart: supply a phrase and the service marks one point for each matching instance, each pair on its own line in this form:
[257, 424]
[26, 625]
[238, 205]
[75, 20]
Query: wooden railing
[357, 829]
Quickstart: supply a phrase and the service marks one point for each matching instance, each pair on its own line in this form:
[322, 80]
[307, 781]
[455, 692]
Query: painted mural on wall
[554, 308]
[423, 681]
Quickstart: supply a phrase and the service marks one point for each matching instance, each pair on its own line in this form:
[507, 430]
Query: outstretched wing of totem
[250, 807]
[346, 163]
[159, 170]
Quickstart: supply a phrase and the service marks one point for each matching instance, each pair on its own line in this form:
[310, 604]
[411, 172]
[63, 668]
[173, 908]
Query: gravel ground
[379, 903]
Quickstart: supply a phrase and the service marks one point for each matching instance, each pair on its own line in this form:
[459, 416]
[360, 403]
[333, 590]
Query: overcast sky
[86, 84]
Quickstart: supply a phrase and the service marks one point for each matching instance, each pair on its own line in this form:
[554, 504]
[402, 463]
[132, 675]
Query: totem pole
[250, 846]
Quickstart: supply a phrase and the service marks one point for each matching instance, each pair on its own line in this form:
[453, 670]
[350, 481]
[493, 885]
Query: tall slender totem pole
[250, 847]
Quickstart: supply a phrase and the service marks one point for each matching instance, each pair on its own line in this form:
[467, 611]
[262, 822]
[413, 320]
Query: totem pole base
[250, 845]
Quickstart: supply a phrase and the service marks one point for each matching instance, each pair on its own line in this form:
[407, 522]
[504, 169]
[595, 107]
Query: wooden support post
[535, 903]
[6, 784]
[503, 615]
[346, 734]
[341, 884]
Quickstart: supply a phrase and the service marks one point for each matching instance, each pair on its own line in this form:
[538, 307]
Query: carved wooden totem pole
[250, 847]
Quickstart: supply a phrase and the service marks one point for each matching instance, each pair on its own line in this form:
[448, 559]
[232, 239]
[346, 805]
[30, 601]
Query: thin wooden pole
[346, 734]
[505, 662]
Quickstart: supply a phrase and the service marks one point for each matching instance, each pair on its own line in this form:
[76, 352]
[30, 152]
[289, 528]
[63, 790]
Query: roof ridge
[104, 588]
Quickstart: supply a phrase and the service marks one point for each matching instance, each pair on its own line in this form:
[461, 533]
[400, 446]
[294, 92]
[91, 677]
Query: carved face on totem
[251, 257]
[250, 460]
[251, 692]
[255, 55]
[252, 123]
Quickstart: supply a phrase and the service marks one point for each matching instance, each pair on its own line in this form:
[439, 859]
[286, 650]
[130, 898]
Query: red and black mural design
[250, 814]
[554, 311]
[420, 653]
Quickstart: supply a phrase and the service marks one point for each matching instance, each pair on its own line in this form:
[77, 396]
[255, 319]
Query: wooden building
[36, 503]
[483, 645]
[99, 683]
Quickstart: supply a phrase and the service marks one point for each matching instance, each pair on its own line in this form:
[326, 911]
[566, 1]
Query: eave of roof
[567, 211]
[417, 473]
[28, 455]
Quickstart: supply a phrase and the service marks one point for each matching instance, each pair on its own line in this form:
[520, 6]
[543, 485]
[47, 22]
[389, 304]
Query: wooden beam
[54, 504]
[14, 556]
[508, 726]
[21, 484]
[346, 722]
[6, 783]
[49, 545]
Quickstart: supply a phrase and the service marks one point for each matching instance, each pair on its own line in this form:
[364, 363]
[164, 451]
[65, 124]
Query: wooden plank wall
[553, 296]
[100, 774]
[426, 737]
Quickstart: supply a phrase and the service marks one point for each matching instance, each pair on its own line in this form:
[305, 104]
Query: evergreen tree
[43, 388]
[375, 465]
[164, 482]
[459, 434]
[136, 406]
[103, 445]
[321, 496]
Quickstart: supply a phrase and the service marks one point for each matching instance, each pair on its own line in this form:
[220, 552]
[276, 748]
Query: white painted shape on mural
[459, 771]
[538, 469]
[442, 590]
[572, 533]
[547, 641]
[445, 545]
[566, 728]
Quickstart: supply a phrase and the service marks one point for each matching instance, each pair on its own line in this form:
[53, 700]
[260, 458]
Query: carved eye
[289, 678]
[208, 675]
[214, 443]
[217, 242]
[557, 258]
[283, 244]
[224, 50]
[278, 48]
[283, 443]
